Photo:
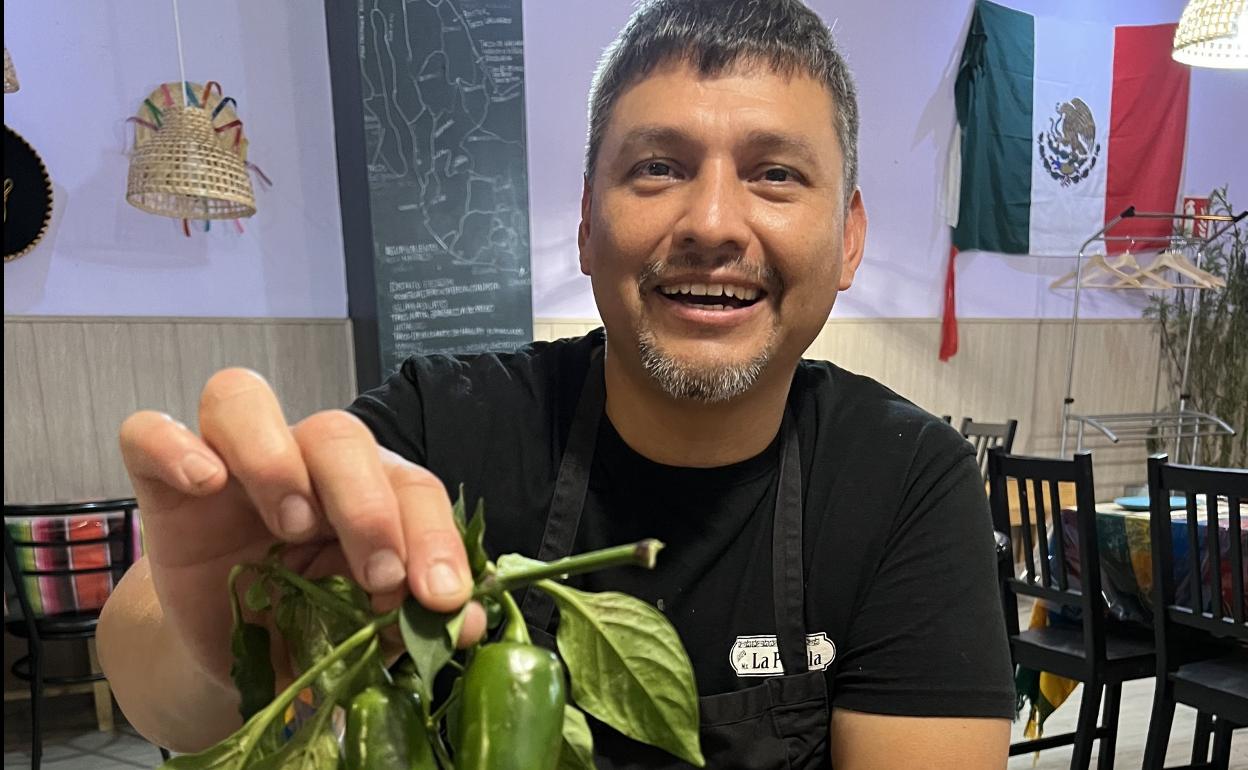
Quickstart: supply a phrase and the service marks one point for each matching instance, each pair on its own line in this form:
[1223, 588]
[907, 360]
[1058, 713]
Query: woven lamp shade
[182, 171]
[1213, 33]
[10, 74]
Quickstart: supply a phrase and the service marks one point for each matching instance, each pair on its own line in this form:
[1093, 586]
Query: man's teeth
[711, 290]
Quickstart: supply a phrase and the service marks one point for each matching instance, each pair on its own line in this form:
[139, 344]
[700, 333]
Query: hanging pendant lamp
[10, 74]
[182, 170]
[1213, 33]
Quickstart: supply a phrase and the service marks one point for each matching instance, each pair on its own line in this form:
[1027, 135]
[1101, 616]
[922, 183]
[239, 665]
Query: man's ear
[582, 232]
[853, 240]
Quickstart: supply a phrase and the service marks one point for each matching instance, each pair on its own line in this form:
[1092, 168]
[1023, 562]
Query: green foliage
[1218, 372]
[625, 661]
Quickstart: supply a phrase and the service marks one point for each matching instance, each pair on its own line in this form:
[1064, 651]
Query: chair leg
[102, 693]
[1109, 723]
[1159, 725]
[36, 707]
[1085, 731]
[1222, 744]
[1200, 739]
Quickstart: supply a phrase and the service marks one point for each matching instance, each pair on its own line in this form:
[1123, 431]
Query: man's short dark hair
[714, 35]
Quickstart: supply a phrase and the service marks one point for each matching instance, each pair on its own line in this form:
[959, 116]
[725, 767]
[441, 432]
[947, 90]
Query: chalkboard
[430, 96]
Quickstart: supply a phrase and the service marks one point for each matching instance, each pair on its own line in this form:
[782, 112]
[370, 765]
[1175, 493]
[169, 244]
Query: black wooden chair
[47, 561]
[1092, 652]
[1212, 683]
[987, 435]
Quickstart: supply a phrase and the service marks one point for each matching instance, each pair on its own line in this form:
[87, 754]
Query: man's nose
[715, 216]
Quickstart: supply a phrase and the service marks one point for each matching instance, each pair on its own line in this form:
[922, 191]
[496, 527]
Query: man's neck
[691, 434]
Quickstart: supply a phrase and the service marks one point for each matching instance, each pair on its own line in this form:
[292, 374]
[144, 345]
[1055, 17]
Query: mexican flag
[1061, 126]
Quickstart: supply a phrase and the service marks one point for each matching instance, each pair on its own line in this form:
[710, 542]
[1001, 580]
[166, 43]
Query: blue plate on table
[1141, 503]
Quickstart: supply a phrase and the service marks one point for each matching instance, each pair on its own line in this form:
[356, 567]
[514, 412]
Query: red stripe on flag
[1147, 129]
[949, 319]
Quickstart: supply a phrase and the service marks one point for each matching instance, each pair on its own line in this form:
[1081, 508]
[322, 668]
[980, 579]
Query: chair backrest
[1038, 482]
[988, 435]
[1199, 584]
[66, 558]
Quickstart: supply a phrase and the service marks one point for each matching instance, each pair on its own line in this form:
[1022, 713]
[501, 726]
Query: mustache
[657, 271]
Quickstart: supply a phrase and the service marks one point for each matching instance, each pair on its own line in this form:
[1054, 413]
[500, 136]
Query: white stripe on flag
[1074, 64]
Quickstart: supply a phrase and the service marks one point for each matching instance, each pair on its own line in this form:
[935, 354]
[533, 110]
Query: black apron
[782, 722]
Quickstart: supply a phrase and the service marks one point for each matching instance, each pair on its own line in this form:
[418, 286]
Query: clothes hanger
[1191, 277]
[1101, 273]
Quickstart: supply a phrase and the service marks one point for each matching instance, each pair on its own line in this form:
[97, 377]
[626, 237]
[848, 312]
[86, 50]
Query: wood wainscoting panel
[1005, 368]
[72, 381]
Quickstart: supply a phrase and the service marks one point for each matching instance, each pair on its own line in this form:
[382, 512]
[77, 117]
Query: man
[829, 563]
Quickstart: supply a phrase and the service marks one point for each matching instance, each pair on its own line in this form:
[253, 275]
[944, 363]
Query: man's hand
[880, 742]
[346, 506]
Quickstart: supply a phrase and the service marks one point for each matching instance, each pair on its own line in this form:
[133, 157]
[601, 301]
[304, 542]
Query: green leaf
[457, 512]
[314, 747]
[257, 596]
[474, 540]
[252, 670]
[427, 637]
[226, 755]
[578, 743]
[312, 631]
[629, 668]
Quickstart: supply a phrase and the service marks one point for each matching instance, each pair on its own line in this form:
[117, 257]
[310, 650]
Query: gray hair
[713, 35]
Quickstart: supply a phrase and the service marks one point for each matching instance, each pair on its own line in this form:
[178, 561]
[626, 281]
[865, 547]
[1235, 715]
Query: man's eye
[777, 175]
[656, 168]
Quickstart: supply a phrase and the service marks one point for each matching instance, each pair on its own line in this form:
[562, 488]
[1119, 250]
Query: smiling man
[830, 559]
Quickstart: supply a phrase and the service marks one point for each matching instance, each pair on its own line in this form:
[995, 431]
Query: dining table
[1124, 539]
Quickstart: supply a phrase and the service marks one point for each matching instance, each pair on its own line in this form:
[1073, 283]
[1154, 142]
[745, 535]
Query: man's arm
[145, 661]
[881, 742]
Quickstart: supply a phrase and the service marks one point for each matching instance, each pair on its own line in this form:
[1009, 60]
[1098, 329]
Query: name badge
[760, 655]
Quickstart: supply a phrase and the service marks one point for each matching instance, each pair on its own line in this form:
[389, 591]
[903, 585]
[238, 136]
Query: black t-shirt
[898, 546]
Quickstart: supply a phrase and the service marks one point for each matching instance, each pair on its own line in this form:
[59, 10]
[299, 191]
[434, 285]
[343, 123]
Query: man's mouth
[712, 296]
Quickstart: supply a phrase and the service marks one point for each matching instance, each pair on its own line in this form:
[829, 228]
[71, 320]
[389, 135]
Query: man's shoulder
[855, 410]
[536, 365]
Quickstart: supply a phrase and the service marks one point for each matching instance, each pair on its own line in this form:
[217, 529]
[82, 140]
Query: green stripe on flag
[993, 96]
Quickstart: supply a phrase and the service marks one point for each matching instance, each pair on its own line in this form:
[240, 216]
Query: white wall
[904, 56]
[84, 68]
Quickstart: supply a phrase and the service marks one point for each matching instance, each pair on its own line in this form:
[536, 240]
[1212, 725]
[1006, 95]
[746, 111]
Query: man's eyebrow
[773, 141]
[758, 140]
[656, 135]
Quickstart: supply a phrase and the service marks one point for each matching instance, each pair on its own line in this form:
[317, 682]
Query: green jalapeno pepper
[385, 731]
[513, 698]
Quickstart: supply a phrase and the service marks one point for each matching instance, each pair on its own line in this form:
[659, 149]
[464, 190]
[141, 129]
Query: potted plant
[1217, 379]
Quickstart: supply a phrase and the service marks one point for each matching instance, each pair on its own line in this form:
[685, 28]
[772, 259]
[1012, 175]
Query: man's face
[714, 229]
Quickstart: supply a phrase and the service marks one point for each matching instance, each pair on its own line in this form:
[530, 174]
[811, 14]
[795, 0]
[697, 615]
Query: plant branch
[640, 554]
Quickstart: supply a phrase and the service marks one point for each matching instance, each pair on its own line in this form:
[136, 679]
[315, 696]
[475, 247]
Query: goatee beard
[707, 384]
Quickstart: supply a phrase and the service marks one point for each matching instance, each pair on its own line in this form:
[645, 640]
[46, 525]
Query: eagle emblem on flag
[1068, 150]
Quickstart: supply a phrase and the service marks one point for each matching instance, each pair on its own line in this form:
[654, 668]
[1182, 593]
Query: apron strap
[570, 488]
[788, 575]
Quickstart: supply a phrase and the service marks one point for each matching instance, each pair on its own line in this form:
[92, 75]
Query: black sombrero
[27, 196]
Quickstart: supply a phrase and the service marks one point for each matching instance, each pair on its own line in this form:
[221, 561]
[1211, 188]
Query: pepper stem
[515, 630]
[640, 554]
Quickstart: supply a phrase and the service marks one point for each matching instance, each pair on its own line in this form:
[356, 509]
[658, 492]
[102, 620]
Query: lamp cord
[177, 29]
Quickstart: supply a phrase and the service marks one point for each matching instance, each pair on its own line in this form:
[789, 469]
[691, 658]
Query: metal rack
[1175, 426]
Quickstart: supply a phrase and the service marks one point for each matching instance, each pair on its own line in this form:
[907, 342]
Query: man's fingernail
[295, 516]
[198, 468]
[384, 570]
[443, 580]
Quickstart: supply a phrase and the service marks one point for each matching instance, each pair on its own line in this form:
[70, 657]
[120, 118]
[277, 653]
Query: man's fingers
[166, 461]
[240, 417]
[346, 472]
[438, 572]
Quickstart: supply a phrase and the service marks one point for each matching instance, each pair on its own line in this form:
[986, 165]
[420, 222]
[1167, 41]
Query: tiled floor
[71, 740]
